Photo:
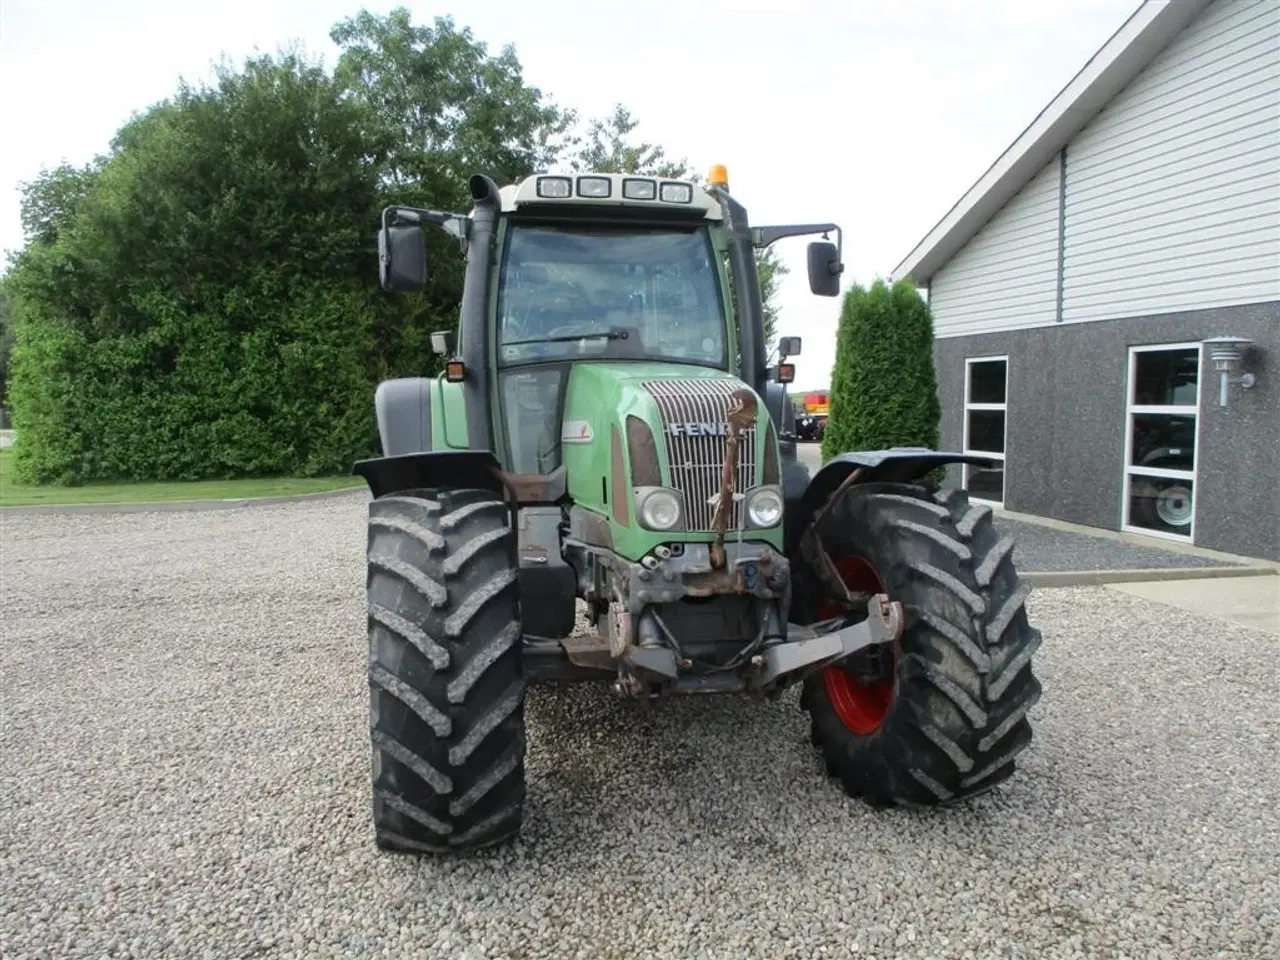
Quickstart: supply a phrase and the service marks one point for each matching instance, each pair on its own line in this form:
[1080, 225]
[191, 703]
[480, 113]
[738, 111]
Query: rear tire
[951, 718]
[446, 682]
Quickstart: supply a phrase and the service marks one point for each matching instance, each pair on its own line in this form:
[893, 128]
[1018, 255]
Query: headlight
[594, 186]
[764, 507]
[639, 189]
[660, 509]
[676, 193]
[557, 188]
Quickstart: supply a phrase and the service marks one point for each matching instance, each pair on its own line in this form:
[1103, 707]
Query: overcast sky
[874, 114]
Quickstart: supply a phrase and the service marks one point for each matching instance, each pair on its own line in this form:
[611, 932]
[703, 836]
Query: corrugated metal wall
[1006, 277]
[1173, 191]
[1172, 196]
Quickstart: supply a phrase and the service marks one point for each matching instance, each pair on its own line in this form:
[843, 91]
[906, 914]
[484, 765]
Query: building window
[1161, 419]
[985, 405]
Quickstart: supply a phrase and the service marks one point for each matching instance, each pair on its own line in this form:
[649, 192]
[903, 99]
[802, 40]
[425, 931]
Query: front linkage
[651, 660]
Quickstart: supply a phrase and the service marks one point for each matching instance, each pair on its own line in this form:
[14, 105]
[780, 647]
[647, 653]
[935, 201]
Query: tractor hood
[655, 424]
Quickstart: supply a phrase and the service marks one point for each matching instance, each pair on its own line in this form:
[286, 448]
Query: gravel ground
[184, 773]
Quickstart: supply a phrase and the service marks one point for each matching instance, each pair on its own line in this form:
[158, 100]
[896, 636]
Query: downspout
[1062, 233]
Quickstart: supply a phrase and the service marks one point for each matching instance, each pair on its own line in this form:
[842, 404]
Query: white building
[1073, 286]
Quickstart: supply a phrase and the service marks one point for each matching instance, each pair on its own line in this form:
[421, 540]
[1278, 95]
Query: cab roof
[544, 192]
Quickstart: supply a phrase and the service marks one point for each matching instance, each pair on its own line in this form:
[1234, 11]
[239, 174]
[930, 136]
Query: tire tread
[965, 684]
[446, 680]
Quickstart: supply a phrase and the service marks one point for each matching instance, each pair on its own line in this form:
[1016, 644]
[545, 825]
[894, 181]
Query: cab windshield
[605, 293]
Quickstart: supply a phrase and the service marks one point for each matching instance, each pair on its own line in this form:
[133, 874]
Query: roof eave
[1129, 50]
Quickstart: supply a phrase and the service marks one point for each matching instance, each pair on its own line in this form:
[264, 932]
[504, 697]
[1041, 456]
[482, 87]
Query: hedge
[884, 389]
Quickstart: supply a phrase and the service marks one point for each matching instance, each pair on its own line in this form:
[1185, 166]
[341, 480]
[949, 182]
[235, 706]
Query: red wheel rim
[860, 706]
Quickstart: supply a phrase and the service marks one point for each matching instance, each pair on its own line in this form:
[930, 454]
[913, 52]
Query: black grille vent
[696, 461]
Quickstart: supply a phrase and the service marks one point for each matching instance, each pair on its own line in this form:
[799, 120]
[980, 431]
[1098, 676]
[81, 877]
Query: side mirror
[824, 268]
[402, 258]
[443, 342]
[788, 347]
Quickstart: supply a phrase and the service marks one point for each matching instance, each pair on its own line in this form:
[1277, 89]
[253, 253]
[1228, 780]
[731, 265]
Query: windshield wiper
[568, 337]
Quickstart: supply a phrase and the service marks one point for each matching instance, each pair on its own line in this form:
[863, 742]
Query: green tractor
[603, 485]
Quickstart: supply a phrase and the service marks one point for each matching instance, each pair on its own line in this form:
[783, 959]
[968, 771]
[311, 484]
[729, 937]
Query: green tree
[605, 148]
[48, 207]
[439, 109]
[206, 309]
[50, 202]
[883, 388]
[442, 106]
[6, 344]
[202, 300]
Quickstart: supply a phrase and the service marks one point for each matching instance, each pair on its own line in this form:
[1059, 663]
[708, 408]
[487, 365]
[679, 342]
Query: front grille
[696, 461]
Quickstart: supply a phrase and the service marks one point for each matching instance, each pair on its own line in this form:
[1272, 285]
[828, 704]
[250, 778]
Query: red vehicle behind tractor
[811, 421]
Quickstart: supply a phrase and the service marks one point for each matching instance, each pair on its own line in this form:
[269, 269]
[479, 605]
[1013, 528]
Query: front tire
[446, 682]
[948, 716]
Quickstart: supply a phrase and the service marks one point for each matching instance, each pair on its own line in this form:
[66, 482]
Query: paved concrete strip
[1253, 603]
[1096, 578]
[1133, 539]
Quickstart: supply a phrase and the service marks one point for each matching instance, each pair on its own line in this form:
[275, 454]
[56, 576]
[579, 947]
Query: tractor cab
[578, 285]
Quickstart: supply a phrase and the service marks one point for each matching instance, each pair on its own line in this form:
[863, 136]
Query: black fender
[895, 465]
[439, 468]
[795, 481]
[548, 584]
[403, 410]
[777, 403]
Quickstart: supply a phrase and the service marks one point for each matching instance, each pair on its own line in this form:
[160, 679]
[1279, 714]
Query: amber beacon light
[719, 176]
